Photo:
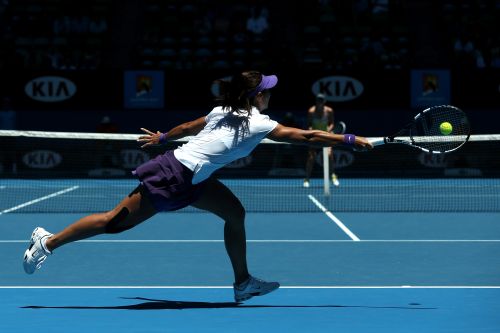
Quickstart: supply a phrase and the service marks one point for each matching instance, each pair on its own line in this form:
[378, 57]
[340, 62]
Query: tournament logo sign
[144, 90]
[429, 87]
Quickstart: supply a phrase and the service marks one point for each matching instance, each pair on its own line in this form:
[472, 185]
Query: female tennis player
[182, 177]
[320, 116]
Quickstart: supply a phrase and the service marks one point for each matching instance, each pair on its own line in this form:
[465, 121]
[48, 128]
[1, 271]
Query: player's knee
[238, 215]
[116, 222]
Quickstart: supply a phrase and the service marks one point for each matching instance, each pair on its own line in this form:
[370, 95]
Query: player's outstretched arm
[317, 138]
[186, 129]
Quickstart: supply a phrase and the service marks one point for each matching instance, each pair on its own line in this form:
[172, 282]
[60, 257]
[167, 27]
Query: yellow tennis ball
[445, 128]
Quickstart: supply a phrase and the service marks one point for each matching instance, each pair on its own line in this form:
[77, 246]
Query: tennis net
[57, 172]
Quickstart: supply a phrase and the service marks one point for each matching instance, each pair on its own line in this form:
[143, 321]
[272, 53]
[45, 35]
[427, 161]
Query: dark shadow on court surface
[155, 304]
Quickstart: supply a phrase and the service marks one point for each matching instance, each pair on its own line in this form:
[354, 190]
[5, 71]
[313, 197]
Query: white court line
[334, 218]
[38, 200]
[274, 241]
[231, 287]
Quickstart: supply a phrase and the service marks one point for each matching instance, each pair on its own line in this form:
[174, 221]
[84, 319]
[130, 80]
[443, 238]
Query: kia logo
[132, 158]
[433, 160]
[42, 159]
[240, 163]
[50, 89]
[341, 158]
[338, 88]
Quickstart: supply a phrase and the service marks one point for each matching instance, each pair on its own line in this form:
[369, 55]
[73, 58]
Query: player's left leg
[219, 200]
[311, 157]
[331, 158]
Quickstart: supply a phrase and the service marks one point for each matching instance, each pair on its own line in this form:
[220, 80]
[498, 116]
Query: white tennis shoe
[253, 287]
[35, 255]
[335, 180]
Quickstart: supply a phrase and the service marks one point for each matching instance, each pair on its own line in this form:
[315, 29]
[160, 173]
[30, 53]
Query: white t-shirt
[224, 139]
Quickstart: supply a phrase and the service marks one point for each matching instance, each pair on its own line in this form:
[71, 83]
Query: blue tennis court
[361, 138]
[405, 271]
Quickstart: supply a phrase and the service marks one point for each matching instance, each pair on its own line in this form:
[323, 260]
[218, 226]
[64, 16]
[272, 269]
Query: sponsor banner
[354, 90]
[116, 90]
[370, 103]
[50, 89]
[57, 158]
[338, 88]
[341, 158]
[42, 159]
[430, 87]
[434, 160]
[63, 90]
[240, 163]
[132, 158]
[144, 90]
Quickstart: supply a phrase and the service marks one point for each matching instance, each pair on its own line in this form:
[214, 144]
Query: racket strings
[426, 131]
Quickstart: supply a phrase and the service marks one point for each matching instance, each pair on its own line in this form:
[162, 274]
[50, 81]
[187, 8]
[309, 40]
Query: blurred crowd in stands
[184, 34]
[53, 34]
[472, 33]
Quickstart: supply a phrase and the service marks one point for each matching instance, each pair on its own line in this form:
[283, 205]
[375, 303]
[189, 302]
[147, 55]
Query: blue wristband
[350, 139]
[163, 138]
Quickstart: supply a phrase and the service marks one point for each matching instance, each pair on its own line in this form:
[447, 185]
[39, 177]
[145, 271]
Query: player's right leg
[131, 211]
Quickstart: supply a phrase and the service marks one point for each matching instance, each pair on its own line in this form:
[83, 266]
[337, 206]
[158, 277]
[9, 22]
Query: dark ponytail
[234, 94]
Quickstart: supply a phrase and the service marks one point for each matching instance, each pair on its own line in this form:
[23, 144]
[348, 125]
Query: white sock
[44, 246]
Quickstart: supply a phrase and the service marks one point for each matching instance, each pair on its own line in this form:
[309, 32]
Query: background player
[320, 117]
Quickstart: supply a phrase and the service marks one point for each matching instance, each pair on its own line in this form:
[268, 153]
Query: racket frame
[409, 141]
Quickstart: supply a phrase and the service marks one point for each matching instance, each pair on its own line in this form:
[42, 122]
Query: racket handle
[377, 141]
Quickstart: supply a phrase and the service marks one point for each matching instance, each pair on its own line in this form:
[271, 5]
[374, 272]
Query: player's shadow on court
[155, 304]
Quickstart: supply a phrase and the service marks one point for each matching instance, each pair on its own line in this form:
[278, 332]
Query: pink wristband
[349, 139]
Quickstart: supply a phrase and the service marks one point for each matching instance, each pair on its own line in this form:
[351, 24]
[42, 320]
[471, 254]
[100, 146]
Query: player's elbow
[308, 137]
[185, 129]
[190, 128]
[316, 138]
[313, 135]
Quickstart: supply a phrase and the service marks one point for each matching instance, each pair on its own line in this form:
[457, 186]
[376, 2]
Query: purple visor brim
[267, 82]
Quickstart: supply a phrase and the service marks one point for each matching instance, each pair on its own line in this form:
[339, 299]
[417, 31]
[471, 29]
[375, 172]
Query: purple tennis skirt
[168, 182]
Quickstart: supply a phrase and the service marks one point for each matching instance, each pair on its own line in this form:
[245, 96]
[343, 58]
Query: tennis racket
[429, 132]
[339, 127]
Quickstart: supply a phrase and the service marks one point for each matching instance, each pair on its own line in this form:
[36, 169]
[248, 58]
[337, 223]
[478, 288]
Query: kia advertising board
[50, 89]
[338, 88]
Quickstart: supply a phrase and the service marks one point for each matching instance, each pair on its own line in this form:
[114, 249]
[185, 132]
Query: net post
[326, 171]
